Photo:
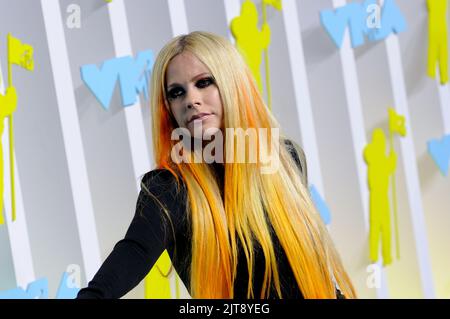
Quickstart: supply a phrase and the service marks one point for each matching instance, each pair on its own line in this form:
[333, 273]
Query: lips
[198, 116]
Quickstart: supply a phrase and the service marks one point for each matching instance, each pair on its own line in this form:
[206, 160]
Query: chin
[208, 132]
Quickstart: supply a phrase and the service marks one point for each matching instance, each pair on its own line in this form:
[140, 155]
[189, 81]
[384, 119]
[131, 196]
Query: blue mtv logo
[133, 76]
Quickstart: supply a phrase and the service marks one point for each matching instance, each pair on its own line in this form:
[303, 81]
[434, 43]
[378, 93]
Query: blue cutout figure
[439, 151]
[354, 15]
[133, 76]
[36, 289]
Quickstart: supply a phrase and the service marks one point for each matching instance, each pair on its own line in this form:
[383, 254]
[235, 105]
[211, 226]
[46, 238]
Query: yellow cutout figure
[380, 168]
[249, 39]
[437, 39]
[274, 3]
[396, 126]
[8, 104]
[396, 123]
[157, 284]
[20, 54]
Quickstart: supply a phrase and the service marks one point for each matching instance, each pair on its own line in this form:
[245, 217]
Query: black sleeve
[145, 240]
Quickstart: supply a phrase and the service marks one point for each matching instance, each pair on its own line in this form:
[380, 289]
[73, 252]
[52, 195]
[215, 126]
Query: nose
[193, 98]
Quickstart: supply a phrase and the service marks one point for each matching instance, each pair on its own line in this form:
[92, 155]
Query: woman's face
[191, 91]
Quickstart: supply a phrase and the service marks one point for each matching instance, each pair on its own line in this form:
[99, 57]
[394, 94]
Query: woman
[232, 229]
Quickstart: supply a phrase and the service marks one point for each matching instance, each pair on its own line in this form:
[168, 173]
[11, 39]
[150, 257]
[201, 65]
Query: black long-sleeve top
[150, 234]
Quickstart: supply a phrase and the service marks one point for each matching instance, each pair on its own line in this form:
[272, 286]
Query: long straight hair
[252, 202]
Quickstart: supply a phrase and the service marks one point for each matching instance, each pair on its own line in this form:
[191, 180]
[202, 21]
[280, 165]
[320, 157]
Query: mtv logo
[356, 16]
[133, 76]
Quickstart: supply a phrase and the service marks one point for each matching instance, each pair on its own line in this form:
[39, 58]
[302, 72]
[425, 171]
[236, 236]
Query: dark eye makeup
[178, 91]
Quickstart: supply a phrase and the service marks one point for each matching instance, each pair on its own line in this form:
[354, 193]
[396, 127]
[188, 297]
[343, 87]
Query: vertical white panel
[72, 136]
[178, 18]
[302, 96]
[133, 115]
[357, 128]
[355, 112]
[410, 166]
[17, 230]
[444, 98]
[232, 10]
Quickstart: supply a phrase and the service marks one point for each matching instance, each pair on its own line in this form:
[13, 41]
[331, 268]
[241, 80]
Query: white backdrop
[78, 165]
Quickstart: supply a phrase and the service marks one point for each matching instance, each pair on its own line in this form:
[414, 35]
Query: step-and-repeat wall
[360, 85]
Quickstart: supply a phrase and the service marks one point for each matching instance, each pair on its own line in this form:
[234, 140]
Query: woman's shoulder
[161, 178]
[161, 187]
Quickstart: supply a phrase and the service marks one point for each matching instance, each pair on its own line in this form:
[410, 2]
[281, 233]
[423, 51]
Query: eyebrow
[197, 76]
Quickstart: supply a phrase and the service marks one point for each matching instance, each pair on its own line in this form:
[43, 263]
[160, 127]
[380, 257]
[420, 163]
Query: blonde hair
[253, 202]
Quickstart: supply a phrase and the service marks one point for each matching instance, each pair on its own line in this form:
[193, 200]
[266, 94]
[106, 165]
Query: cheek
[217, 102]
[176, 114]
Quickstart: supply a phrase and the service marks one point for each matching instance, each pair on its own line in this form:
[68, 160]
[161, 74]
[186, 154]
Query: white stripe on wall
[410, 166]
[178, 17]
[73, 145]
[133, 114]
[358, 131]
[301, 90]
[232, 10]
[444, 98]
[17, 230]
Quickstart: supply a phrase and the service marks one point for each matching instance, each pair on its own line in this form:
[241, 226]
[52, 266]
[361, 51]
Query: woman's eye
[205, 82]
[175, 93]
